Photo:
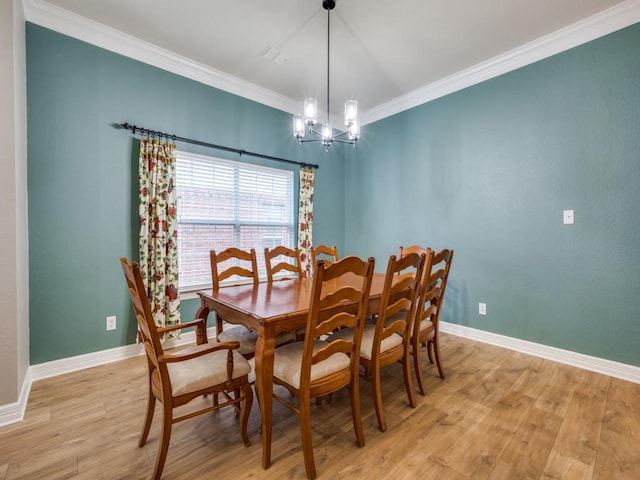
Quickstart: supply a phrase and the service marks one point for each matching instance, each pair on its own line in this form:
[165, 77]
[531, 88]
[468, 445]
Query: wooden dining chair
[326, 252]
[177, 377]
[412, 249]
[282, 259]
[234, 263]
[313, 367]
[427, 319]
[228, 265]
[388, 340]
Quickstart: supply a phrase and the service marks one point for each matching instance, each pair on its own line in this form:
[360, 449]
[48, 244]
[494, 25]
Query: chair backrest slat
[239, 263]
[333, 307]
[289, 261]
[326, 252]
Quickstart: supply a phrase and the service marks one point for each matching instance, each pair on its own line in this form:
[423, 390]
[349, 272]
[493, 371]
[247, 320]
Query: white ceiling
[383, 53]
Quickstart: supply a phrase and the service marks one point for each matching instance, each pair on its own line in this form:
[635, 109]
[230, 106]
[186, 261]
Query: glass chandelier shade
[304, 124]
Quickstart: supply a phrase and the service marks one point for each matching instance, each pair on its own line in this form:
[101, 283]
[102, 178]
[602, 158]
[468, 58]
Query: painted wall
[83, 179]
[489, 170]
[14, 341]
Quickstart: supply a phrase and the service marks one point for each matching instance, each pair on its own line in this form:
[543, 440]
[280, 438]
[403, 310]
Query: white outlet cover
[567, 217]
[482, 308]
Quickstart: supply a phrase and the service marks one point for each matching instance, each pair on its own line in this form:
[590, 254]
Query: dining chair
[426, 325]
[178, 376]
[282, 259]
[234, 263]
[388, 340]
[324, 251]
[314, 367]
[412, 249]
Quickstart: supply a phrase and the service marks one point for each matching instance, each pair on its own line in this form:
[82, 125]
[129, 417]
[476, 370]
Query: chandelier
[305, 123]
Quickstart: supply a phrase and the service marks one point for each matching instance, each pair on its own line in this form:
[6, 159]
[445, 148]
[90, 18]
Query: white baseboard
[599, 365]
[14, 412]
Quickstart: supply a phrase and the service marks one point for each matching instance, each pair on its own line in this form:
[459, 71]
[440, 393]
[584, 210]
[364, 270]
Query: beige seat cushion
[366, 346]
[426, 325]
[287, 363]
[206, 370]
[248, 338]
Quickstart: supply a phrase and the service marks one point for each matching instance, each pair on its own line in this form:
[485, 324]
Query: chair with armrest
[176, 378]
[427, 318]
[312, 367]
[282, 259]
[388, 340]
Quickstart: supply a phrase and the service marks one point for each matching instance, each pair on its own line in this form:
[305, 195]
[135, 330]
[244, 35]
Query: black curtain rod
[154, 133]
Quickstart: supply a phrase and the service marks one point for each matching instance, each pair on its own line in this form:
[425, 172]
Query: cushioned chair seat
[426, 325]
[287, 363]
[367, 340]
[200, 372]
[248, 338]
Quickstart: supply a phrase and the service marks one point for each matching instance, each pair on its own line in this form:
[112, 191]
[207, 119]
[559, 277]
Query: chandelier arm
[312, 130]
[340, 134]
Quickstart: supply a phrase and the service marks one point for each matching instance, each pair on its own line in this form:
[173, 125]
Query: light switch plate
[567, 217]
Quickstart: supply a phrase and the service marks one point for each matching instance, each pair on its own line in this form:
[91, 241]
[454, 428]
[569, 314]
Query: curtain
[158, 229]
[305, 219]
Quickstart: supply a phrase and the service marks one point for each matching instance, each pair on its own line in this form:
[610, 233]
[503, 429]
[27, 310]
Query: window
[221, 204]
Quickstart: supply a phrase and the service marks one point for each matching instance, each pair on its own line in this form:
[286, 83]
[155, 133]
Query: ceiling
[382, 52]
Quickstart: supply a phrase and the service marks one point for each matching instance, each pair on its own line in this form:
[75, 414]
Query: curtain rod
[146, 131]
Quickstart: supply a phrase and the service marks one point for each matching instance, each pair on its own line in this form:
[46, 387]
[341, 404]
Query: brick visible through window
[222, 203]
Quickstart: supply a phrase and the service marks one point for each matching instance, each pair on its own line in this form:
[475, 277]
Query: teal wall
[82, 179]
[488, 171]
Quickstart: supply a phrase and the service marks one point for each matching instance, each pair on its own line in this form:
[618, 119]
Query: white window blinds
[222, 203]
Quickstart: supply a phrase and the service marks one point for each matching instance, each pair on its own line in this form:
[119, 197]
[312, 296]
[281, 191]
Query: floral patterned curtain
[305, 219]
[158, 229]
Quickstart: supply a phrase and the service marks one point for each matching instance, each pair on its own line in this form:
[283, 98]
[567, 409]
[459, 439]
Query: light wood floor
[498, 415]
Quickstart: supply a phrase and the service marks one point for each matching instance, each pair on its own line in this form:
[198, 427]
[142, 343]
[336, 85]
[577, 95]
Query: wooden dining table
[270, 308]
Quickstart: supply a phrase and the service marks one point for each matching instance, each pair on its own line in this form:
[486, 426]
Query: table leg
[201, 335]
[265, 349]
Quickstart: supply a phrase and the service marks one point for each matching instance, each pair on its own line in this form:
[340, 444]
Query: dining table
[270, 308]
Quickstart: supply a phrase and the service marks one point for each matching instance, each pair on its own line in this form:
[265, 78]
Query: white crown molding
[82, 28]
[623, 371]
[63, 21]
[596, 26]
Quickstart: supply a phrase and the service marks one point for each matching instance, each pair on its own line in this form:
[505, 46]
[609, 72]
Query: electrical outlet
[482, 309]
[111, 323]
[567, 217]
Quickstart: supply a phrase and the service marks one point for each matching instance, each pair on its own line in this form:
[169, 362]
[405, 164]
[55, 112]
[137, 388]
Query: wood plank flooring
[498, 415]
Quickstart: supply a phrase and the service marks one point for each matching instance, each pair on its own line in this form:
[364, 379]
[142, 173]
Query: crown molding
[55, 18]
[623, 371]
[596, 26]
[76, 26]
